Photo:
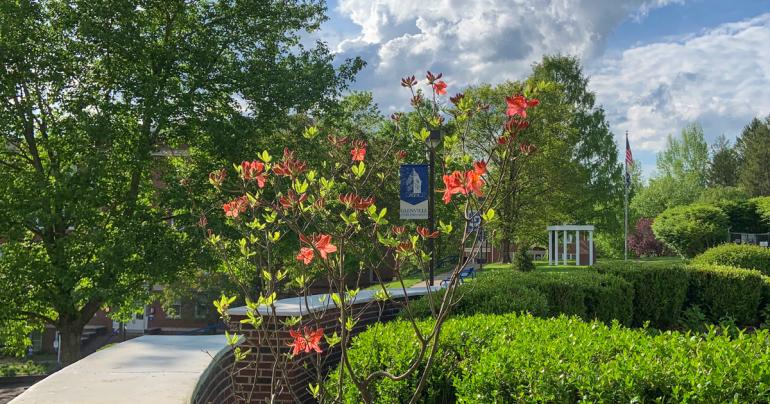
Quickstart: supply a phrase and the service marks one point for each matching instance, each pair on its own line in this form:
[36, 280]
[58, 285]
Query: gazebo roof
[572, 227]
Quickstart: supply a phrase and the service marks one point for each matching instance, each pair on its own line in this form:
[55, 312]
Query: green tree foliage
[574, 175]
[723, 167]
[682, 172]
[754, 148]
[691, 229]
[92, 92]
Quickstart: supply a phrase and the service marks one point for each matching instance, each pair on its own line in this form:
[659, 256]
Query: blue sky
[655, 65]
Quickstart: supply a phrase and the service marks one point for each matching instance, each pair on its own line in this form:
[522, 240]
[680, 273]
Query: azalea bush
[300, 228]
[521, 359]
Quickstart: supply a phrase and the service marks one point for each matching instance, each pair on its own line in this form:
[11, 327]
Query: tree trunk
[70, 343]
[506, 244]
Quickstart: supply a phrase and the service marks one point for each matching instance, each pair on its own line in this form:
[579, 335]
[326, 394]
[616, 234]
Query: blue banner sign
[414, 191]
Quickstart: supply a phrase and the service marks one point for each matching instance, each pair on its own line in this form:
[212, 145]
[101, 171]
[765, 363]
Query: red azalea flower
[216, 178]
[454, 184]
[337, 141]
[480, 167]
[404, 247]
[305, 255]
[203, 221]
[358, 154]
[289, 167]
[457, 98]
[440, 87]
[425, 233]
[323, 244]
[474, 183]
[291, 199]
[306, 340]
[398, 230]
[401, 154]
[432, 78]
[254, 170]
[236, 206]
[517, 105]
[408, 81]
[527, 149]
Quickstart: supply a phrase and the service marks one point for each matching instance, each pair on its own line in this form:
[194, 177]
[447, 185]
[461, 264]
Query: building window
[201, 310]
[174, 311]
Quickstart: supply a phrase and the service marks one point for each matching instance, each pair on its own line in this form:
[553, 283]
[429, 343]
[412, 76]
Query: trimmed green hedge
[744, 256]
[510, 358]
[584, 293]
[663, 290]
[727, 292]
[486, 295]
[660, 289]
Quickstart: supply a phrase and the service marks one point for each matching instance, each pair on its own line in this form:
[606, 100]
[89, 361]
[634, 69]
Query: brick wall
[216, 386]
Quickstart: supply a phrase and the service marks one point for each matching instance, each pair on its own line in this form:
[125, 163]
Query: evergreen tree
[754, 148]
[723, 168]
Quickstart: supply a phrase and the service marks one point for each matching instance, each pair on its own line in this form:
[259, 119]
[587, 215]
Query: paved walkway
[436, 280]
[148, 369]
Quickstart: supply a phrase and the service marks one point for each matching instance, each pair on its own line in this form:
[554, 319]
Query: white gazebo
[554, 242]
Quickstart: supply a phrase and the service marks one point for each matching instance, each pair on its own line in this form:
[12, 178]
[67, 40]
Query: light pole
[433, 141]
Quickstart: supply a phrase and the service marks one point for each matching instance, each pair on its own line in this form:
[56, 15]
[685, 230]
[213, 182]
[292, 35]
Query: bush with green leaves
[486, 295]
[22, 369]
[584, 293]
[660, 289]
[727, 292]
[512, 358]
[522, 261]
[762, 206]
[691, 229]
[744, 256]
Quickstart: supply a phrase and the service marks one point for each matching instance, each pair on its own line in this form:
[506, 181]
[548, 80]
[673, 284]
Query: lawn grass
[409, 281]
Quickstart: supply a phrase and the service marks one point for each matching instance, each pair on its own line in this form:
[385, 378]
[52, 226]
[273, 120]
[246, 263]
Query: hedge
[486, 295]
[512, 358]
[745, 256]
[663, 290]
[660, 289]
[584, 293]
[727, 292]
[691, 229]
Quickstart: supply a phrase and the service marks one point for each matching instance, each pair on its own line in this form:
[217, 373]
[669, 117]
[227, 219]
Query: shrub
[489, 296]
[744, 256]
[643, 242]
[727, 292]
[660, 289]
[584, 293]
[522, 261]
[510, 358]
[762, 206]
[691, 229]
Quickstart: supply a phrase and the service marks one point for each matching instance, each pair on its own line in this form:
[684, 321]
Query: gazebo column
[550, 247]
[564, 254]
[577, 247]
[590, 247]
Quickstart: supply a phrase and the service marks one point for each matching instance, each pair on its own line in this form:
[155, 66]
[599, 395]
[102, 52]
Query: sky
[655, 65]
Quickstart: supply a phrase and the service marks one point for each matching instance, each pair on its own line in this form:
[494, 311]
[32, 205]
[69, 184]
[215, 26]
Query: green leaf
[489, 215]
[359, 169]
[310, 132]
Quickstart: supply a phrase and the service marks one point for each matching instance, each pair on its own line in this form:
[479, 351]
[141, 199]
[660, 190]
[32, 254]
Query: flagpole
[625, 207]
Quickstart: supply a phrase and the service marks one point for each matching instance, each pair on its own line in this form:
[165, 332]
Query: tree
[754, 148]
[691, 229]
[92, 92]
[723, 168]
[575, 175]
[682, 171]
[685, 157]
[643, 242]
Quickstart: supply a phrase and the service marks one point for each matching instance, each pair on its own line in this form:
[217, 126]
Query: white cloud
[718, 77]
[474, 41]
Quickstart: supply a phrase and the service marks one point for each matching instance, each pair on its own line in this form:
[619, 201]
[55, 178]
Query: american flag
[629, 161]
